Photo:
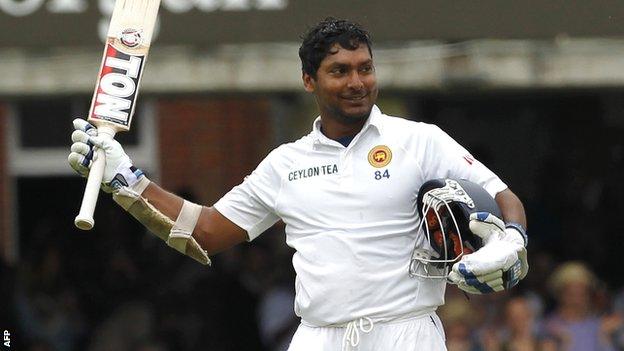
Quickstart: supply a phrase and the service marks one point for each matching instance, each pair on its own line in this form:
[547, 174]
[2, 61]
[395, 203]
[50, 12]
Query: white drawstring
[351, 338]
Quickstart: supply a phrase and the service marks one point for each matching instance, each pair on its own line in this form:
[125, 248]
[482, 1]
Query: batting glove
[118, 172]
[500, 264]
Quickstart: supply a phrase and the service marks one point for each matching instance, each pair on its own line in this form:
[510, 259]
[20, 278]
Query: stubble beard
[349, 119]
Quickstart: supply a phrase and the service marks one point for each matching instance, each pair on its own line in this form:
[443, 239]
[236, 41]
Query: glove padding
[500, 264]
[118, 171]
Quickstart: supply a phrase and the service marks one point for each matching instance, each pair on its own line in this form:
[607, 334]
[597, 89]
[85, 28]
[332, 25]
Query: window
[40, 130]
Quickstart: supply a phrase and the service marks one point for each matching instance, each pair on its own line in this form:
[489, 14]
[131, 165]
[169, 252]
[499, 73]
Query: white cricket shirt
[350, 214]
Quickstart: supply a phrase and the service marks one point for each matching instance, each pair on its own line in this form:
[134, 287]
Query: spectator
[129, 324]
[574, 321]
[46, 304]
[521, 328]
[460, 321]
[277, 322]
[618, 319]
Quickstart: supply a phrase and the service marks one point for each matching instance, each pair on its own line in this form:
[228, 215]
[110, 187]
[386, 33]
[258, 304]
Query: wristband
[520, 229]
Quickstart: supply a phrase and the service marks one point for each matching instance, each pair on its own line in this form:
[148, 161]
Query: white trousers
[424, 333]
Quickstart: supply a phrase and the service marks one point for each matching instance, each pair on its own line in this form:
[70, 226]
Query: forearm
[167, 203]
[514, 217]
[213, 232]
[167, 216]
[511, 207]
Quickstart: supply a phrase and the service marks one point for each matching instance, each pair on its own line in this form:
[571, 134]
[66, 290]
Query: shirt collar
[374, 120]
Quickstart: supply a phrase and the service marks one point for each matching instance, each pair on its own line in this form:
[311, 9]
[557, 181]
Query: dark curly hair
[319, 40]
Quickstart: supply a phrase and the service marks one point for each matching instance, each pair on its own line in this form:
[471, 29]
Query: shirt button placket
[346, 171]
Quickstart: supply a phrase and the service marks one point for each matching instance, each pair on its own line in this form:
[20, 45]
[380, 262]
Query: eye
[338, 70]
[367, 69]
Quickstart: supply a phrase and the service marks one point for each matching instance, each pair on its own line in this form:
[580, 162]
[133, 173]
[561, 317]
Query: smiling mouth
[355, 98]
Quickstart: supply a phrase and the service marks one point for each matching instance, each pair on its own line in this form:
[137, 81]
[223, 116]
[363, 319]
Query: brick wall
[208, 145]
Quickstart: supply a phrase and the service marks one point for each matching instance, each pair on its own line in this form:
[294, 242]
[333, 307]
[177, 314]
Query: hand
[500, 264]
[118, 171]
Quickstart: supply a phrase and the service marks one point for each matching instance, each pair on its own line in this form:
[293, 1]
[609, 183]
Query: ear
[308, 82]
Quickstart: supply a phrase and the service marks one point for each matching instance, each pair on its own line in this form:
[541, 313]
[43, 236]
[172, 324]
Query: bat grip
[84, 219]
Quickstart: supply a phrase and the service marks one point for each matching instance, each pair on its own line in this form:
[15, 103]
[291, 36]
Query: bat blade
[114, 99]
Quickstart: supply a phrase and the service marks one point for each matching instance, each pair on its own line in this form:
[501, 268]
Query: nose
[355, 81]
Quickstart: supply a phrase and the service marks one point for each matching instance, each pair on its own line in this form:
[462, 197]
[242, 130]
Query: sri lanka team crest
[380, 156]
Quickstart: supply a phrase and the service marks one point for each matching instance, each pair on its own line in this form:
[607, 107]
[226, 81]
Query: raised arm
[192, 229]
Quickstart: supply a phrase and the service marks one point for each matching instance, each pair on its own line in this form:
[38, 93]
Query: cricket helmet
[445, 206]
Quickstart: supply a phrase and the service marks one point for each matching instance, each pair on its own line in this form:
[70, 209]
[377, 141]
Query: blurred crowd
[117, 297]
[132, 293]
[571, 310]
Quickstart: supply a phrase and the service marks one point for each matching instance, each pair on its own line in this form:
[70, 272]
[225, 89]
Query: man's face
[345, 85]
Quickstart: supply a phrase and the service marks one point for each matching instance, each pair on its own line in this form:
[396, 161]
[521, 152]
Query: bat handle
[84, 219]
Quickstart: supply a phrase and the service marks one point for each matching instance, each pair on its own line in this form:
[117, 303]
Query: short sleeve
[251, 205]
[446, 158]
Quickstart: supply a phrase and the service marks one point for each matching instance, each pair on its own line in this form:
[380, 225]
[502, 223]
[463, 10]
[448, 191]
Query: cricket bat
[114, 100]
